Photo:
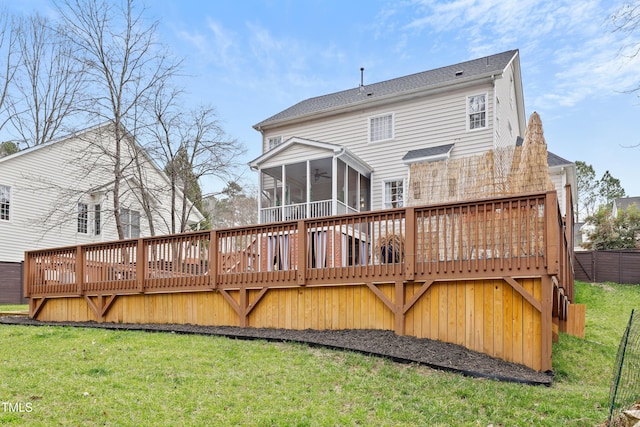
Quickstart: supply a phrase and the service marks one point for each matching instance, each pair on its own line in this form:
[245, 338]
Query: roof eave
[395, 97]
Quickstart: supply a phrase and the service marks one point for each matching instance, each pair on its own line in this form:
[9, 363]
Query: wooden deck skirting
[493, 275]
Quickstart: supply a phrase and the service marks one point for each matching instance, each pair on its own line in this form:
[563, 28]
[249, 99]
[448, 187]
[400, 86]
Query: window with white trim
[130, 221]
[5, 203]
[83, 218]
[394, 194]
[274, 141]
[97, 219]
[381, 128]
[477, 111]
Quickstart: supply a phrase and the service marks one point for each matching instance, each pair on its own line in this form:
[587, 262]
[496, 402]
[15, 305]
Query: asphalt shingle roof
[624, 202]
[555, 160]
[427, 152]
[488, 65]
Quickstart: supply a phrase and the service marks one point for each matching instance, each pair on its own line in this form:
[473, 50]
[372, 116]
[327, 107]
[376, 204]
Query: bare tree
[124, 63]
[626, 20]
[48, 81]
[191, 145]
[237, 205]
[8, 45]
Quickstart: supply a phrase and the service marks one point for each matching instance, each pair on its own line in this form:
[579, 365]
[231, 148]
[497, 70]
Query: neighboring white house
[623, 203]
[61, 194]
[351, 151]
[562, 172]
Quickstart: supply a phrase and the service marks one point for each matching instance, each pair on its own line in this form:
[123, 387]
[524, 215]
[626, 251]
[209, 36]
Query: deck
[495, 276]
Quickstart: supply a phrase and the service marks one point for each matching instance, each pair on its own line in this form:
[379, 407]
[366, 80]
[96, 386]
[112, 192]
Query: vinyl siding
[559, 180]
[507, 111]
[418, 123]
[47, 183]
[297, 153]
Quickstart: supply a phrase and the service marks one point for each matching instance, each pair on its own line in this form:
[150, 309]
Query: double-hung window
[381, 128]
[83, 218]
[394, 194]
[5, 203]
[477, 111]
[130, 221]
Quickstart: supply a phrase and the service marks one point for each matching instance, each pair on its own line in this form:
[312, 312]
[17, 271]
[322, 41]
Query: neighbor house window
[5, 202]
[274, 141]
[83, 218]
[97, 219]
[394, 194]
[130, 221]
[477, 111]
[381, 128]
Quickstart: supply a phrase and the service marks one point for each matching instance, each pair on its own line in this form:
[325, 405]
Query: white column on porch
[308, 210]
[283, 200]
[334, 186]
[260, 190]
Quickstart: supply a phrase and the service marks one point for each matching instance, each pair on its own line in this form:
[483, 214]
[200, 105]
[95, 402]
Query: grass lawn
[15, 307]
[73, 376]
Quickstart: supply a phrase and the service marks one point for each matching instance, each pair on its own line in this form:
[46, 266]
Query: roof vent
[459, 73]
[361, 78]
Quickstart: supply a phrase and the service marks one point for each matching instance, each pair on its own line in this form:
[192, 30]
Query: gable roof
[33, 148]
[77, 134]
[451, 74]
[624, 202]
[555, 160]
[336, 150]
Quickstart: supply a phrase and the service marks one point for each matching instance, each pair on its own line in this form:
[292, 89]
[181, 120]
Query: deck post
[410, 243]
[546, 339]
[399, 308]
[27, 274]
[552, 232]
[80, 269]
[213, 259]
[242, 312]
[140, 261]
[302, 252]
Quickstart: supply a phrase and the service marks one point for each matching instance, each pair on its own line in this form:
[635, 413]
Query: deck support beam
[35, 305]
[102, 307]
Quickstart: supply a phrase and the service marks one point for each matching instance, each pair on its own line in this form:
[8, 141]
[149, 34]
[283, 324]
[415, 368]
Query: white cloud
[567, 47]
[217, 46]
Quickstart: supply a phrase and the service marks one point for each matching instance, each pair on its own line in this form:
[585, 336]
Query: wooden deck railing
[523, 235]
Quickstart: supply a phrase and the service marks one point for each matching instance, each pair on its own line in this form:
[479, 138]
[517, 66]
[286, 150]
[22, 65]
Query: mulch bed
[404, 349]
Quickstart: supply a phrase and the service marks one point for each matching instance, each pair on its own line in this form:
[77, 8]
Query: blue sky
[251, 59]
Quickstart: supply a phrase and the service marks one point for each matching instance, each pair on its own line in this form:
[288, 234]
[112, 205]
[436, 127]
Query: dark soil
[403, 349]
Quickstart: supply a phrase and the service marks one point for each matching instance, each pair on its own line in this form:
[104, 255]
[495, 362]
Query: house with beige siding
[61, 194]
[351, 151]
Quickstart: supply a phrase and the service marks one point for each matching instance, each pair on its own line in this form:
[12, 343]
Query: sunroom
[302, 178]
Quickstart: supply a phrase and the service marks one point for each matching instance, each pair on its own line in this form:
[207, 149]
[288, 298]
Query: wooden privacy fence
[619, 266]
[491, 275]
[11, 289]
